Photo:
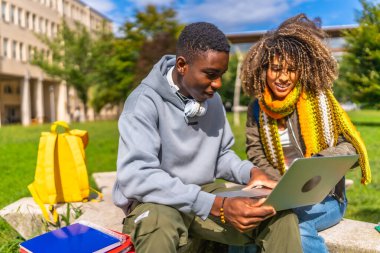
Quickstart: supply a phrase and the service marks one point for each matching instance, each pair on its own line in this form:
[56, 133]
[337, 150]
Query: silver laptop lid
[309, 180]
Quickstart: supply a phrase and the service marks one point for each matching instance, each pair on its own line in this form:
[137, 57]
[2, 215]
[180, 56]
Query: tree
[228, 84]
[152, 50]
[115, 63]
[71, 58]
[152, 34]
[360, 67]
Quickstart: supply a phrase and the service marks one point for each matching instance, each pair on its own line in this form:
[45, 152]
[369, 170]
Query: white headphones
[194, 108]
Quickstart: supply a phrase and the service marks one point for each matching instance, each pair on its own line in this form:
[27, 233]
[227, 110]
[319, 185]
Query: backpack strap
[256, 111]
[75, 139]
[63, 124]
[39, 202]
[80, 164]
[48, 166]
[45, 169]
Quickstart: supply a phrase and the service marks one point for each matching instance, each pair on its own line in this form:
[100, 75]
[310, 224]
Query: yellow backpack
[61, 172]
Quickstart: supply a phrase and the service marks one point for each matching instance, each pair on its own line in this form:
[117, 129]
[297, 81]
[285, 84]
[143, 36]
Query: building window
[27, 16]
[34, 23]
[46, 27]
[7, 89]
[12, 14]
[52, 28]
[21, 49]
[20, 23]
[67, 9]
[3, 10]
[5, 47]
[40, 25]
[14, 50]
[30, 53]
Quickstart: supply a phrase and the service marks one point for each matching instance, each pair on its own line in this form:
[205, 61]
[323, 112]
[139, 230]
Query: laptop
[307, 181]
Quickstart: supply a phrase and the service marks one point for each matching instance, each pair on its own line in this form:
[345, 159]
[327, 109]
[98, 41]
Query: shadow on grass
[369, 124]
[367, 214]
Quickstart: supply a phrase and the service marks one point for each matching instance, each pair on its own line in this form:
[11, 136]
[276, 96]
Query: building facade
[335, 40]
[27, 94]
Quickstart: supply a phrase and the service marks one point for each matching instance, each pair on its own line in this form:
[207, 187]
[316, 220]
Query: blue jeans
[318, 217]
[312, 219]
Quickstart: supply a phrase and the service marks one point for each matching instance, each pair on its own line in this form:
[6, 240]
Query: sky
[236, 16]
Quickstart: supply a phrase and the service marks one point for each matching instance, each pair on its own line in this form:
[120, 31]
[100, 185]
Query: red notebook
[126, 247]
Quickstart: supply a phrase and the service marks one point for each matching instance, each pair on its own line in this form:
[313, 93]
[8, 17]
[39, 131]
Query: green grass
[18, 153]
[364, 201]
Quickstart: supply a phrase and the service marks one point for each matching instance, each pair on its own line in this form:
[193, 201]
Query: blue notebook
[75, 238]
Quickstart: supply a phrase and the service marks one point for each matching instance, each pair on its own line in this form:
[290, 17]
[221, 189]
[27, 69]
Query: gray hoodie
[164, 159]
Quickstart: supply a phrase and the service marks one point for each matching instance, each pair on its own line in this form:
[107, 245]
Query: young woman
[290, 72]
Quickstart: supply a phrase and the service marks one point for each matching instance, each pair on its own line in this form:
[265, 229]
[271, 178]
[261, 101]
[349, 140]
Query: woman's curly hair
[297, 39]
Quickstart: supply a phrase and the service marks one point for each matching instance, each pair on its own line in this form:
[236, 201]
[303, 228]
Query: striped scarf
[318, 115]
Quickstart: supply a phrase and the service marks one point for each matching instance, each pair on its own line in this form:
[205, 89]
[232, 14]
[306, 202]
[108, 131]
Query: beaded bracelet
[222, 218]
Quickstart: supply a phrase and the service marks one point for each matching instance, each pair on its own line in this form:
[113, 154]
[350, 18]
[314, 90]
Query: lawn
[18, 152]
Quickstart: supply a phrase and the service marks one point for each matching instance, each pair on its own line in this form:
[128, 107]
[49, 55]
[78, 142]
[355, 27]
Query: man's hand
[243, 213]
[260, 178]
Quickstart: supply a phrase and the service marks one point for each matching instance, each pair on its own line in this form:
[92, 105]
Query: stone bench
[348, 236]
[351, 236]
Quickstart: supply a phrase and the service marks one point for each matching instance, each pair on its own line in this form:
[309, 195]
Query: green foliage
[228, 83]
[227, 90]
[149, 22]
[100, 67]
[114, 72]
[71, 59]
[360, 67]
[153, 33]
[150, 35]
[152, 50]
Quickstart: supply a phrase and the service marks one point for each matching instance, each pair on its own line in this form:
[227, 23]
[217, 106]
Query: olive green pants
[160, 228]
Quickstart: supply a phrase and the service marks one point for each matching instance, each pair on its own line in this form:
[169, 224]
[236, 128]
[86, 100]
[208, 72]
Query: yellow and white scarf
[318, 115]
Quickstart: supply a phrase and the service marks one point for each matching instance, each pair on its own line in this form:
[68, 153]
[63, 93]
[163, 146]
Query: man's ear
[181, 65]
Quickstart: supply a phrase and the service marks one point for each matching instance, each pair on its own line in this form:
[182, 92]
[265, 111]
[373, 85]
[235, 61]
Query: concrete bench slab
[348, 236]
[25, 216]
[351, 236]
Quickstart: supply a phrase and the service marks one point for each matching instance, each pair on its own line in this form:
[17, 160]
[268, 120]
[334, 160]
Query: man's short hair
[200, 37]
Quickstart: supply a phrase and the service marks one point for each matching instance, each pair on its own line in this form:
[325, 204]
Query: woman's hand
[260, 179]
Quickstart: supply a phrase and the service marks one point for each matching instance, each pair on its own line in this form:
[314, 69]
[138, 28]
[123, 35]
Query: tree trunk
[236, 105]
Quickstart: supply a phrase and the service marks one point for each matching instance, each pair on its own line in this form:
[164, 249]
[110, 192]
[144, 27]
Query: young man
[174, 141]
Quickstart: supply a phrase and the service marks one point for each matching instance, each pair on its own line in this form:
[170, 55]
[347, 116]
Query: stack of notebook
[80, 237]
